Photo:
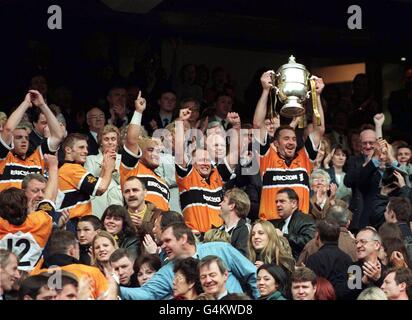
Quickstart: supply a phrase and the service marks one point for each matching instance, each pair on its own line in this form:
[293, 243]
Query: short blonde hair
[372, 293]
[216, 235]
[148, 142]
[107, 129]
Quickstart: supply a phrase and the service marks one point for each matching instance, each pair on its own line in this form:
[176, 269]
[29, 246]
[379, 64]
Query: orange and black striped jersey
[76, 185]
[276, 174]
[158, 191]
[98, 282]
[200, 198]
[13, 168]
[28, 240]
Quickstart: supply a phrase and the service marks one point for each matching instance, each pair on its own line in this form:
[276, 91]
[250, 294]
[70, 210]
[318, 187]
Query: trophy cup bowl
[292, 87]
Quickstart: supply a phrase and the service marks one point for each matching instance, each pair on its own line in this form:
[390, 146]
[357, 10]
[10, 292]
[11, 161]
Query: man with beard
[15, 163]
[140, 158]
[281, 164]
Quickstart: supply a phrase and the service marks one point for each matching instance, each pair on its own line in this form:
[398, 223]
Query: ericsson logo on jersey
[275, 177]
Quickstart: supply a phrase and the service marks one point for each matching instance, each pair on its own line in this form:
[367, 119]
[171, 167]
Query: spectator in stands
[234, 210]
[329, 261]
[186, 281]
[141, 157]
[346, 242]
[15, 163]
[213, 276]
[372, 293]
[116, 99]
[266, 246]
[76, 183]
[64, 254]
[303, 284]
[145, 267]
[95, 121]
[272, 282]
[324, 289]
[18, 225]
[36, 288]
[179, 242]
[117, 222]
[109, 140]
[397, 284]
[9, 272]
[103, 246]
[122, 262]
[69, 289]
[294, 225]
[87, 229]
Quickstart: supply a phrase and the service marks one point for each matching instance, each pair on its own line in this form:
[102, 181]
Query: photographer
[393, 185]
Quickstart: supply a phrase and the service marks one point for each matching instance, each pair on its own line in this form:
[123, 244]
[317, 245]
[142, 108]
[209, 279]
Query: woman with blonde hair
[266, 246]
[103, 245]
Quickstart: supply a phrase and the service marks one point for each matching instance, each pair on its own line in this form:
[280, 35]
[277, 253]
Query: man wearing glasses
[368, 243]
[96, 121]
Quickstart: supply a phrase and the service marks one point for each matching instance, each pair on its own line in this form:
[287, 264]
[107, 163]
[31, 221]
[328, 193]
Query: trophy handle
[274, 76]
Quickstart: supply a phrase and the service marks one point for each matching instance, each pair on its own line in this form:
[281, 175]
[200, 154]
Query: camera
[389, 178]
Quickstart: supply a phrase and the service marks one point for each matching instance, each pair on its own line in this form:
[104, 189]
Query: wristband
[137, 118]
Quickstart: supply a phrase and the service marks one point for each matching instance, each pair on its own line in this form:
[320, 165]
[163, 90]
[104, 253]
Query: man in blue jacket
[179, 242]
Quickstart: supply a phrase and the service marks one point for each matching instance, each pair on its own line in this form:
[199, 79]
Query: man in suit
[95, 120]
[363, 175]
[297, 227]
[223, 105]
[165, 115]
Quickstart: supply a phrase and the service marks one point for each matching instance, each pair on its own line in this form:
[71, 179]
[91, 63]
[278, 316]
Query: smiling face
[202, 163]
[366, 247]
[78, 153]
[102, 249]
[404, 156]
[286, 143]
[9, 274]
[259, 237]
[368, 140]
[172, 246]
[216, 147]
[113, 224]
[35, 191]
[213, 281]
[266, 283]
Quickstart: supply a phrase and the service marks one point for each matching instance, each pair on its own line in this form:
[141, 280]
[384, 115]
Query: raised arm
[14, 119]
[379, 119]
[52, 162]
[56, 131]
[318, 130]
[132, 135]
[184, 115]
[261, 106]
[234, 134]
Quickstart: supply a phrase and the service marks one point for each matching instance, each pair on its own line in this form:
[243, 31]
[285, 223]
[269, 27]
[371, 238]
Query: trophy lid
[292, 64]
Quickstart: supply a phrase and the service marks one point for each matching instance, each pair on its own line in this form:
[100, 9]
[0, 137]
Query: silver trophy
[291, 83]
